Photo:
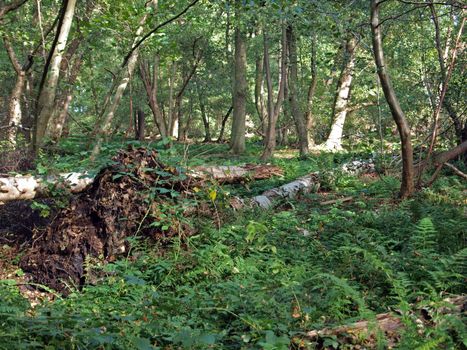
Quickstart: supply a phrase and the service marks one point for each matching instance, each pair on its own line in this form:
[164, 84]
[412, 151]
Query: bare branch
[146, 36]
[11, 7]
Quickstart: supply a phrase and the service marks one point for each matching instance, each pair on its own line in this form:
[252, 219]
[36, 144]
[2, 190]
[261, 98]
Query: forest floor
[249, 278]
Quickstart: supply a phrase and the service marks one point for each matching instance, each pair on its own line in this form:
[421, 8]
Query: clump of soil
[18, 231]
[98, 221]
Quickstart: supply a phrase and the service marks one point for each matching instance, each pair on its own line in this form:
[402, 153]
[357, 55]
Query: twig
[338, 200]
[456, 171]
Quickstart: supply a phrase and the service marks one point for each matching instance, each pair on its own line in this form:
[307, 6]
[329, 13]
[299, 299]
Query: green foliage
[259, 280]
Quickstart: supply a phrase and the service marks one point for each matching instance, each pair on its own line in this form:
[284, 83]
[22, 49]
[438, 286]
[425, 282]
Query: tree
[48, 87]
[342, 97]
[299, 116]
[274, 108]
[407, 185]
[240, 89]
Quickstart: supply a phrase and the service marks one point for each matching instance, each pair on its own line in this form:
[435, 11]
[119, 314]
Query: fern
[424, 238]
[432, 344]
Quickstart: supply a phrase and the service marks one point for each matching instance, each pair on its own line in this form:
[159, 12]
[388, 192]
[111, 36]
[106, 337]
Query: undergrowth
[264, 278]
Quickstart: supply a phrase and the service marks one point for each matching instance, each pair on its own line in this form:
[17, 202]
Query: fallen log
[23, 187]
[389, 324]
[305, 184]
[235, 173]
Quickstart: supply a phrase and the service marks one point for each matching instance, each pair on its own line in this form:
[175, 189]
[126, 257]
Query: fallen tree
[23, 187]
[305, 184]
[137, 195]
[390, 324]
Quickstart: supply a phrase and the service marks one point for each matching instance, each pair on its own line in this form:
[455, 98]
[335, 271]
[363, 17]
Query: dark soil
[99, 220]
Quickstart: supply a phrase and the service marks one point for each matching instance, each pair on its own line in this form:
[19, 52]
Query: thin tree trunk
[442, 56]
[59, 117]
[274, 109]
[14, 116]
[179, 96]
[407, 185]
[140, 125]
[204, 117]
[173, 129]
[102, 129]
[311, 93]
[224, 121]
[240, 90]
[297, 114]
[151, 87]
[342, 98]
[259, 94]
[46, 99]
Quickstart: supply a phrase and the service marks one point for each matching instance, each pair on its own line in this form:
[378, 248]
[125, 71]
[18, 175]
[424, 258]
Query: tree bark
[173, 123]
[14, 116]
[304, 184]
[259, 94]
[59, 117]
[204, 117]
[274, 109]
[311, 93]
[297, 113]
[224, 121]
[407, 185]
[342, 98]
[140, 125]
[240, 90]
[47, 94]
[151, 87]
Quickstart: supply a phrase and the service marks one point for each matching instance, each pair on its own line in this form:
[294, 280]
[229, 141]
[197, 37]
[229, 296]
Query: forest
[233, 174]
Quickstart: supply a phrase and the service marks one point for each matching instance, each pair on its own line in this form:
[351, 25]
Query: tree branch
[146, 36]
[11, 7]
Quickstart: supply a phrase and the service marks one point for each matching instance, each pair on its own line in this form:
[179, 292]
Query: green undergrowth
[264, 278]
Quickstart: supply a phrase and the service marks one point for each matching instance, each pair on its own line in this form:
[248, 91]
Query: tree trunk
[259, 94]
[151, 87]
[140, 125]
[102, 129]
[407, 185]
[14, 116]
[59, 117]
[342, 98]
[46, 99]
[297, 114]
[173, 128]
[311, 93]
[274, 109]
[240, 90]
[224, 121]
[205, 118]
